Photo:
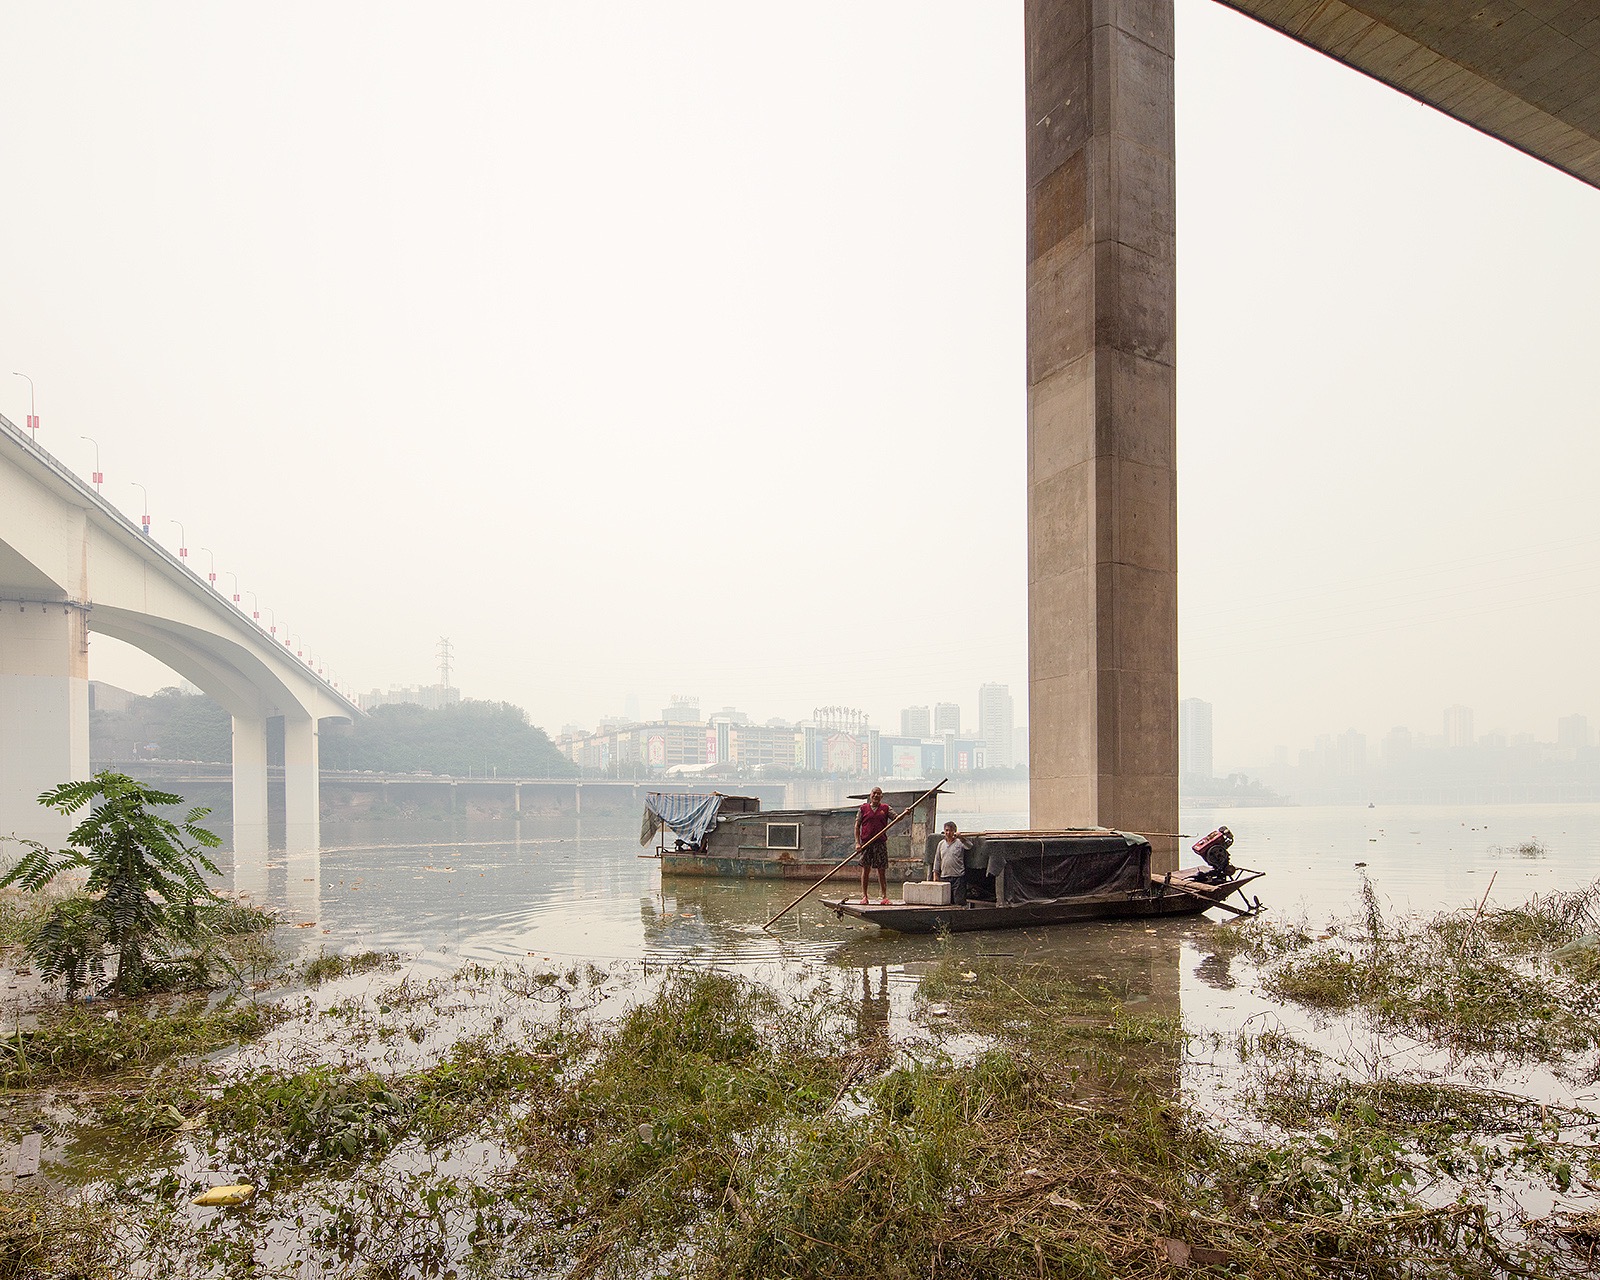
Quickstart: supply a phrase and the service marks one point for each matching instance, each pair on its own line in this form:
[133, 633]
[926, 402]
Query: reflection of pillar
[1102, 470]
[44, 713]
[303, 883]
[302, 815]
[250, 805]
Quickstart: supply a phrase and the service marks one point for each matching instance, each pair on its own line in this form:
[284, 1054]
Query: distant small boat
[1017, 879]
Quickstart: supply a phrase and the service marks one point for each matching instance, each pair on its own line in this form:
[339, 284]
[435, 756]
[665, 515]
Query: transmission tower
[444, 655]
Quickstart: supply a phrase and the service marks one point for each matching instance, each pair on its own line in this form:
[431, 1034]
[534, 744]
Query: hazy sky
[652, 348]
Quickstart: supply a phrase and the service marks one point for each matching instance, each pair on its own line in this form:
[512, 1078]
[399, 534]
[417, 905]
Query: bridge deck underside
[1524, 71]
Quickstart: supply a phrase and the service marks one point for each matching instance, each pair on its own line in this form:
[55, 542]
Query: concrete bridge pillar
[44, 715]
[249, 804]
[302, 801]
[1102, 477]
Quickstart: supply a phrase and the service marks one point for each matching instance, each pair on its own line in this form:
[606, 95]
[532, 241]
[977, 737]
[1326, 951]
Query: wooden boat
[732, 836]
[1017, 879]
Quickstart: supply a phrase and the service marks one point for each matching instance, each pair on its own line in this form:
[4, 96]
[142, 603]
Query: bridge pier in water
[1102, 468]
[44, 714]
[301, 798]
[249, 804]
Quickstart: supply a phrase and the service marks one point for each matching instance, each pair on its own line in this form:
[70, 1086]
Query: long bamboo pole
[839, 866]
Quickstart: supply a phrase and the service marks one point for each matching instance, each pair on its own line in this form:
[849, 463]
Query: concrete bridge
[71, 564]
[1102, 363]
[356, 795]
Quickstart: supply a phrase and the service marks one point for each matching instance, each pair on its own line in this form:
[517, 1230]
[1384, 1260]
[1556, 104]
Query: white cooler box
[926, 893]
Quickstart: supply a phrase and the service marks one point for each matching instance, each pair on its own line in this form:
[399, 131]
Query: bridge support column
[249, 804]
[1102, 477]
[301, 790]
[44, 714]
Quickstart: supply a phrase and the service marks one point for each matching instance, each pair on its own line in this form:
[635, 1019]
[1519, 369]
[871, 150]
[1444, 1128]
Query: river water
[564, 889]
[579, 887]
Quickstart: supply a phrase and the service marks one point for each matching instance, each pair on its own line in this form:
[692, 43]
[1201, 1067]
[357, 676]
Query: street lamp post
[183, 538]
[146, 517]
[272, 617]
[255, 607]
[212, 575]
[99, 478]
[33, 417]
[235, 578]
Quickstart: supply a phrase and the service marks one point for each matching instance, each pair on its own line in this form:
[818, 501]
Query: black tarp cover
[1049, 868]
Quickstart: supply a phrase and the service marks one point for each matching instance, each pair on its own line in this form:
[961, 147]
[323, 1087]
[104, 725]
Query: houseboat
[712, 834]
[1020, 878]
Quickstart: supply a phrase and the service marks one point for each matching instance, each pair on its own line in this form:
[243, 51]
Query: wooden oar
[839, 866]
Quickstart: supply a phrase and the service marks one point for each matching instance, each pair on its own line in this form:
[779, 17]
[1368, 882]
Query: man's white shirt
[950, 858]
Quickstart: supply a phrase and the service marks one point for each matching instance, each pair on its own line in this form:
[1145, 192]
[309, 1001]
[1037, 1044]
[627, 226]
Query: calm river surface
[561, 890]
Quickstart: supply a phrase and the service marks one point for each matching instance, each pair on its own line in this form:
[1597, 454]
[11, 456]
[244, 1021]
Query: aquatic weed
[325, 967]
[80, 1042]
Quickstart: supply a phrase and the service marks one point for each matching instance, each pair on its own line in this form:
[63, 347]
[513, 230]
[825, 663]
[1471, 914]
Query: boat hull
[744, 867]
[1161, 899]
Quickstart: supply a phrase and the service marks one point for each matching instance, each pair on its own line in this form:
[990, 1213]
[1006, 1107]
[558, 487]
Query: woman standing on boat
[871, 820]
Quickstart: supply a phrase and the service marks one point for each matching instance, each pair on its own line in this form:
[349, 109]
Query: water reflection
[872, 1013]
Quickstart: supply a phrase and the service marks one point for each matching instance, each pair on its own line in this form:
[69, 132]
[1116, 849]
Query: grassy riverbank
[517, 1122]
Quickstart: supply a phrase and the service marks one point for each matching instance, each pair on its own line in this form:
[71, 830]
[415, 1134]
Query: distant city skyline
[1458, 726]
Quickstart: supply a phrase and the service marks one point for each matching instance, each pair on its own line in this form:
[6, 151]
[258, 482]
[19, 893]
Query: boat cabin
[1009, 868]
[712, 834]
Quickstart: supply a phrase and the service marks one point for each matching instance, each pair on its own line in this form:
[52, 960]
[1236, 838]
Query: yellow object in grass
[237, 1193]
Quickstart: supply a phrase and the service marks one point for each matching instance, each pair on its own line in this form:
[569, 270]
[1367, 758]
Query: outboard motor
[1214, 849]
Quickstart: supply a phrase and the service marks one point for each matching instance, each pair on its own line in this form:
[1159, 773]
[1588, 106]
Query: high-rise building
[916, 722]
[1458, 726]
[1572, 731]
[683, 710]
[1194, 739]
[1397, 745]
[1352, 753]
[995, 724]
[947, 718]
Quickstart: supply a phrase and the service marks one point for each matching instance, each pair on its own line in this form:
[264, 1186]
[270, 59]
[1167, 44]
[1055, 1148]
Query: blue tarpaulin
[689, 816]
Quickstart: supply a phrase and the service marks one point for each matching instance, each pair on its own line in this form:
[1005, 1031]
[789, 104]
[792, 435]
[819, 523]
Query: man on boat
[950, 863]
[871, 820]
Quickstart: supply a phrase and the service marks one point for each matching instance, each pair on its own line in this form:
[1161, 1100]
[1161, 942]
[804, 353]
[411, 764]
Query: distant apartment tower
[1397, 745]
[1572, 731]
[1194, 739]
[1352, 753]
[995, 725]
[916, 722]
[1458, 726]
[682, 710]
[947, 718]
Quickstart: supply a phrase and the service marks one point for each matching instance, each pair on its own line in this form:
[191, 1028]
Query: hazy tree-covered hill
[168, 725]
[474, 738]
[470, 738]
